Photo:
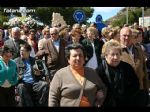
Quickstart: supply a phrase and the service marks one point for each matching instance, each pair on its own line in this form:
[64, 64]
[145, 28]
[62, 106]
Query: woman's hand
[99, 98]
[37, 72]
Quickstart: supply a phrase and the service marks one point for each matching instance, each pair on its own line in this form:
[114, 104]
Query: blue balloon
[99, 18]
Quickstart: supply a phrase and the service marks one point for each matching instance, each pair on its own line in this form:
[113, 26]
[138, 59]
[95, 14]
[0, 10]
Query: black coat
[122, 86]
[89, 49]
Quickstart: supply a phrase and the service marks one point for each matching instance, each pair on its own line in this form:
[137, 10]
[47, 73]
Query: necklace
[80, 79]
[79, 75]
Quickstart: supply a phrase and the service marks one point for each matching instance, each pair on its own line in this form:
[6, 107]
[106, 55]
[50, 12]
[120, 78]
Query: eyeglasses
[53, 33]
[47, 34]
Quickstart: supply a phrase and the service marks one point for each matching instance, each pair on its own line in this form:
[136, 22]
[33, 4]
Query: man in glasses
[56, 52]
[32, 88]
[134, 55]
[15, 41]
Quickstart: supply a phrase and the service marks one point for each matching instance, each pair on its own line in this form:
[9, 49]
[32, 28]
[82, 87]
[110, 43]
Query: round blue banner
[79, 16]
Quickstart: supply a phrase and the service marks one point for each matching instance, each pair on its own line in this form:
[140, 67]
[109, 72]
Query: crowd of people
[76, 66]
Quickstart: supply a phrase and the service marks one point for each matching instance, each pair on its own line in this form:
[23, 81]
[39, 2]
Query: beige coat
[139, 65]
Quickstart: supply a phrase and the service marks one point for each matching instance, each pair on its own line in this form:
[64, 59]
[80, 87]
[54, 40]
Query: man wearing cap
[15, 41]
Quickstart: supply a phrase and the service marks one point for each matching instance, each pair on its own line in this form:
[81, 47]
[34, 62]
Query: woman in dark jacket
[93, 48]
[118, 76]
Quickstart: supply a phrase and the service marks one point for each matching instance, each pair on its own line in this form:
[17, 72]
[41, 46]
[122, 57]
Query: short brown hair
[93, 30]
[74, 31]
[45, 30]
[6, 49]
[26, 46]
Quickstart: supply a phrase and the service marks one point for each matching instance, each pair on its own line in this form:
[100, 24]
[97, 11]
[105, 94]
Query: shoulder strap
[81, 92]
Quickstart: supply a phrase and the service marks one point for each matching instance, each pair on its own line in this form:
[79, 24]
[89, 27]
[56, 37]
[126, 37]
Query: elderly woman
[75, 85]
[116, 33]
[75, 36]
[93, 48]
[119, 76]
[8, 77]
[105, 34]
[42, 42]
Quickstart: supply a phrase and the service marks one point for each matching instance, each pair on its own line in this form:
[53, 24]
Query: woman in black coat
[118, 76]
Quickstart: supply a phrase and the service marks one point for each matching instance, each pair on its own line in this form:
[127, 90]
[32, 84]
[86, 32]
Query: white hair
[15, 29]
[54, 29]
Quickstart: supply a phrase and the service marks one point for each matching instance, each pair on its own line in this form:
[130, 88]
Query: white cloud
[106, 9]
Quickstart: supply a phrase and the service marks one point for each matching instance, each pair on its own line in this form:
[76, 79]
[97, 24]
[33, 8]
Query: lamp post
[143, 16]
[127, 15]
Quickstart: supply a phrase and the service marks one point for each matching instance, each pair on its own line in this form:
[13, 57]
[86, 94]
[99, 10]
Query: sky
[105, 12]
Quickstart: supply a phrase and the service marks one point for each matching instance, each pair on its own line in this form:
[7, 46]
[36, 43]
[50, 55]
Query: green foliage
[138, 13]
[45, 13]
[133, 16]
[2, 19]
[120, 21]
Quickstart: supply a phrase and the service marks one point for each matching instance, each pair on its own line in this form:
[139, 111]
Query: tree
[134, 14]
[138, 13]
[120, 21]
[45, 13]
[2, 19]
[131, 17]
